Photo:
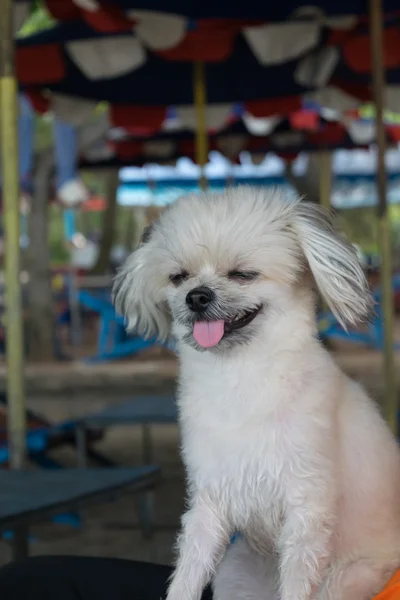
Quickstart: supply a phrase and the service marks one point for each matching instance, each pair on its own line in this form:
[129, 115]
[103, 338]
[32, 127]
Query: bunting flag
[167, 147]
[96, 143]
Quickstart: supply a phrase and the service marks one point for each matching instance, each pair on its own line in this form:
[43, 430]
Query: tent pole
[325, 179]
[14, 313]
[378, 79]
[200, 100]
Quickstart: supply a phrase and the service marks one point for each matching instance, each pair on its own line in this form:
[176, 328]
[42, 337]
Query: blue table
[143, 411]
[26, 496]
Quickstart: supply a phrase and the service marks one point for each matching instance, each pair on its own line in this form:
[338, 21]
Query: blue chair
[113, 341]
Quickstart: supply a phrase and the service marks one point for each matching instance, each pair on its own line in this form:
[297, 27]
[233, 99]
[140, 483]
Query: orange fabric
[392, 590]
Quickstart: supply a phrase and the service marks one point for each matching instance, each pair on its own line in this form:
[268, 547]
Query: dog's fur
[278, 443]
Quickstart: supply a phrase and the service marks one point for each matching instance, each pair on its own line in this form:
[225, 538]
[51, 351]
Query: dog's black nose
[199, 298]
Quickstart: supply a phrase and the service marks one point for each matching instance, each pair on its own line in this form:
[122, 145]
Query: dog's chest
[240, 432]
[241, 462]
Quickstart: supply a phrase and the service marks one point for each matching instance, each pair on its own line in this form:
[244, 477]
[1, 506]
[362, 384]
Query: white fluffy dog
[278, 443]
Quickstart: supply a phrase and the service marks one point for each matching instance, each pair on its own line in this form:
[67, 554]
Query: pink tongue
[208, 333]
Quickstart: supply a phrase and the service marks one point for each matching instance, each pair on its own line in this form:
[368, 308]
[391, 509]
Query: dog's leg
[359, 579]
[246, 575]
[201, 545]
[305, 542]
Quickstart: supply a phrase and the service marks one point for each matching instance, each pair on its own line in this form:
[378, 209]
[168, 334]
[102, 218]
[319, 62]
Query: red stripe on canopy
[393, 133]
[202, 44]
[128, 149]
[205, 44]
[39, 101]
[304, 120]
[141, 131]
[274, 106]
[63, 10]
[108, 19]
[357, 51]
[42, 63]
[330, 134]
[127, 115]
[361, 91]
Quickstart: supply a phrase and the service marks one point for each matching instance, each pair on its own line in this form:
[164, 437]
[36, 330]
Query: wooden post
[325, 179]
[69, 233]
[41, 332]
[11, 199]
[108, 227]
[378, 79]
[200, 100]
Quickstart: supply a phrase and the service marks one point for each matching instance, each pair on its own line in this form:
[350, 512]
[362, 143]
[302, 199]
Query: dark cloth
[83, 578]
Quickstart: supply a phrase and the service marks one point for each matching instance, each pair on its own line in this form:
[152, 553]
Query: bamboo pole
[378, 79]
[325, 179]
[14, 315]
[200, 100]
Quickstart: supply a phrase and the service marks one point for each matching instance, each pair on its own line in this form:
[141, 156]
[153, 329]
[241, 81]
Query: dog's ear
[137, 292]
[334, 264]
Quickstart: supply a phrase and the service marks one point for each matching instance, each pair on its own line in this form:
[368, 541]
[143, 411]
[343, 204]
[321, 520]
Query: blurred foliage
[38, 20]
[361, 227]
[87, 223]
[368, 112]
[96, 183]
[43, 132]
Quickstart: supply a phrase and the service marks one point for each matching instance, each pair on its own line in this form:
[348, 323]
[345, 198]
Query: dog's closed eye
[243, 276]
[177, 278]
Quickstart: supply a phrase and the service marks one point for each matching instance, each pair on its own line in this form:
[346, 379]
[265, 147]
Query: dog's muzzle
[199, 299]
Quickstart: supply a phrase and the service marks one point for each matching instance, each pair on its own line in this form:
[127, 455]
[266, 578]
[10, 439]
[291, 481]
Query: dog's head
[214, 265]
